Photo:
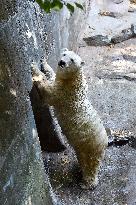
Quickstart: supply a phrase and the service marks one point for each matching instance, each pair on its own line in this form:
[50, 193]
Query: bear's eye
[72, 60]
[64, 54]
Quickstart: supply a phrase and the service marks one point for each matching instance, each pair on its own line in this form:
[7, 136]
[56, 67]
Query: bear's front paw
[37, 75]
[34, 69]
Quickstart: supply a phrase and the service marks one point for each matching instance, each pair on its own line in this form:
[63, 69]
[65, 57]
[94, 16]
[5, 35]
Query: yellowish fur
[77, 117]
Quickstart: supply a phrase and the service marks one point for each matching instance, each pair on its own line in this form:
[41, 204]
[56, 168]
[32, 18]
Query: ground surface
[111, 75]
[117, 185]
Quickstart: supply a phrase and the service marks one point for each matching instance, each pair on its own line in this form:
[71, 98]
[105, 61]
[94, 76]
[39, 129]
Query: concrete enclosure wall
[26, 35]
[57, 31]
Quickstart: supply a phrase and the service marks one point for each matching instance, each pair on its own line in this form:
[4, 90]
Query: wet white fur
[78, 119]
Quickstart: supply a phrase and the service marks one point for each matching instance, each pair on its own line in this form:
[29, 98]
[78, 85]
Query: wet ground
[117, 178]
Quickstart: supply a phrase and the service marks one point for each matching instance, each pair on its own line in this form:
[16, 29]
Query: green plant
[57, 5]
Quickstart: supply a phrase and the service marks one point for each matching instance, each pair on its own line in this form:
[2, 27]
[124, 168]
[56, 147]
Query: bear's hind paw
[89, 184]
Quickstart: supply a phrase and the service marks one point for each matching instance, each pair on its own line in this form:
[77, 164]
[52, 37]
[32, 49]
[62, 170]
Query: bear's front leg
[43, 86]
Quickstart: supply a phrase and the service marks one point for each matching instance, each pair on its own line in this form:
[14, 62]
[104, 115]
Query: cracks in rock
[117, 77]
[129, 58]
[126, 71]
[121, 137]
[101, 40]
[117, 141]
[125, 34]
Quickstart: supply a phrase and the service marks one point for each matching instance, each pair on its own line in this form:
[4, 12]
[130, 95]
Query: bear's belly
[81, 124]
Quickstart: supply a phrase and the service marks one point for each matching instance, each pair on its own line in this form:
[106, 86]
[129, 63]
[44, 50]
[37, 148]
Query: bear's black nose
[61, 63]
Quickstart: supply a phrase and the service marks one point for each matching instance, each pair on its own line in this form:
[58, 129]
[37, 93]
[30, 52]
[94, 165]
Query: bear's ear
[63, 50]
[82, 63]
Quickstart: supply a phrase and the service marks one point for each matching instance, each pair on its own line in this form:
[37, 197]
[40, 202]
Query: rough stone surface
[22, 176]
[26, 35]
[49, 131]
[40, 35]
[115, 6]
[58, 32]
[133, 1]
[111, 75]
[117, 178]
[105, 28]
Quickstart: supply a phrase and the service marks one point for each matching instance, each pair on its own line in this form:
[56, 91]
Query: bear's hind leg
[90, 164]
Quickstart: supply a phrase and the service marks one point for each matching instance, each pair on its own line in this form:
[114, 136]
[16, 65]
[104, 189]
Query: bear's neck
[70, 91]
[69, 78]
[71, 86]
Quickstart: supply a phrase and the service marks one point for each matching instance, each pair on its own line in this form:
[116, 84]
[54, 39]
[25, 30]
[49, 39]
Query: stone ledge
[103, 30]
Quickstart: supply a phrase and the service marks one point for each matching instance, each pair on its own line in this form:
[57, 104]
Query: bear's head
[69, 63]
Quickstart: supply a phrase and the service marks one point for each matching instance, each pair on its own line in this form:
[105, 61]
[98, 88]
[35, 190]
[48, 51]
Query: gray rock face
[51, 44]
[26, 35]
[98, 40]
[22, 176]
[37, 37]
[108, 27]
[119, 7]
[10, 9]
[134, 28]
[111, 75]
[117, 178]
[49, 131]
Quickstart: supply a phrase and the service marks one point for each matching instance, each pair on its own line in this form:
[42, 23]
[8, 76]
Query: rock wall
[117, 6]
[57, 31]
[26, 35]
[22, 176]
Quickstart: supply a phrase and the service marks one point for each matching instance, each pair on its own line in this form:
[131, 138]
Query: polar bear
[78, 119]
